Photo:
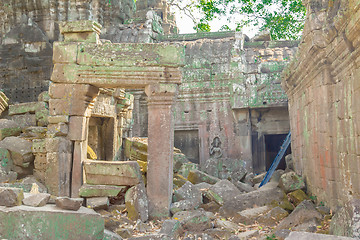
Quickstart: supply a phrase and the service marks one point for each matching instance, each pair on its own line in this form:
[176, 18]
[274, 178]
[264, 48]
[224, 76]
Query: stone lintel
[113, 76]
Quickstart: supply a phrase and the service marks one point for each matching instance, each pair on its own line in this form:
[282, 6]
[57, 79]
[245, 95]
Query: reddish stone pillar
[160, 148]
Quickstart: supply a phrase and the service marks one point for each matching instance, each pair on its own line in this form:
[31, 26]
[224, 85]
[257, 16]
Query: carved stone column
[160, 148]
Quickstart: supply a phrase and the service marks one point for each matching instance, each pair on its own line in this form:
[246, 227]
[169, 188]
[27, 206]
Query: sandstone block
[58, 130]
[196, 176]
[226, 190]
[249, 216]
[244, 201]
[36, 200]
[58, 119]
[112, 173]
[303, 213]
[50, 222]
[291, 181]
[6, 162]
[24, 120]
[87, 190]
[9, 128]
[137, 203]
[69, 203]
[297, 197]
[196, 220]
[97, 203]
[171, 228]
[227, 225]
[314, 236]
[273, 216]
[20, 150]
[346, 220]
[77, 128]
[109, 235]
[10, 197]
[23, 108]
[188, 192]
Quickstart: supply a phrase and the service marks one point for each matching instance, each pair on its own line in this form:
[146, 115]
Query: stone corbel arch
[82, 65]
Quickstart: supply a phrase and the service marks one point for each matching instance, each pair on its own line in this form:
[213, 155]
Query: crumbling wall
[225, 75]
[323, 85]
[28, 29]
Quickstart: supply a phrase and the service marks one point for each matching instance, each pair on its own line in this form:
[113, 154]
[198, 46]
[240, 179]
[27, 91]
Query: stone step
[117, 173]
[50, 222]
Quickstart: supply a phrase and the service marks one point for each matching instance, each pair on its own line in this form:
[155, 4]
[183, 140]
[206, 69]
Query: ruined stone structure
[29, 28]
[323, 86]
[82, 65]
[230, 92]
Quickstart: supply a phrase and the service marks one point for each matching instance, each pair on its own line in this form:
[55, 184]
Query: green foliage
[283, 18]
[271, 237]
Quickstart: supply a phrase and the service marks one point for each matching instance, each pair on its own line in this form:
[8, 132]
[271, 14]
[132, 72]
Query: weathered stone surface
[226, 190]
[69, 203]
[243, 187]
[188, 192]
[36, 200]
[108, 235]
[217, 233]
[49, 222]
[291, 181]
[346, 220]
[151, 237]
[9, 128]
[258, 178]
[29, 107]
[196, 220]
[112, 173]
[6, 166]
[274, 216]
[24, 120]
[226, 225]
[20, 150]
[10, 197]
[248, 234]
[249, 216]
[88, 190]
[186, 168]
[97, 203]
[297, 197]
[136, 202]
[196, 176]
[32, 182]
[171, 228]
[225, 168]
[259, 197]
[124, 232]
[314, 236]
[304, 212]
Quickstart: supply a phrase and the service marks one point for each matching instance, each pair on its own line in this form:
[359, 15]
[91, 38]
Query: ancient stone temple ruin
[104, 105]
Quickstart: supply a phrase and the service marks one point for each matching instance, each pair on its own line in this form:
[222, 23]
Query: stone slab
[314, 236]
[50, 222]
[29, 107]
[112, 173]
[87, 190]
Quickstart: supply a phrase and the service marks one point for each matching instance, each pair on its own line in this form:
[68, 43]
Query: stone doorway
[273, 143]
[188, 142]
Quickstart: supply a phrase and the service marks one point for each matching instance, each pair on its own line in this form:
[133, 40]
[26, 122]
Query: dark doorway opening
[188, 142]
[273, 143]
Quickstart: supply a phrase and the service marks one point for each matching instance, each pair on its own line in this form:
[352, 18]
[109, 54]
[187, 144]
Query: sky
[186, 25]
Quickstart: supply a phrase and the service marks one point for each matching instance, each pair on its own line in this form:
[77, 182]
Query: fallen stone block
[188, 192]
[50, 222]
[290, 182]
[29, 107]
[303, 213]
[124, 232]
[10, 197]
[36, 200]
[97, 203]
[87, 190]
[151, 237]
[69, 203]
[297, 197]
[260, 197]
[112, 173]
[108, 235]
[248, 234]
[136, 203]
[186, 168]
[25, 120]
[227, 225]
[217, 233]
[9, 128]
[345, 222]
[20, 150]
[171, 228]
[243, 187]
[196, 176]
[194, 221]
[314, 236]
[226, 190]
[183, 205]
[31, 180]
[274, 216]
[249, 216]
